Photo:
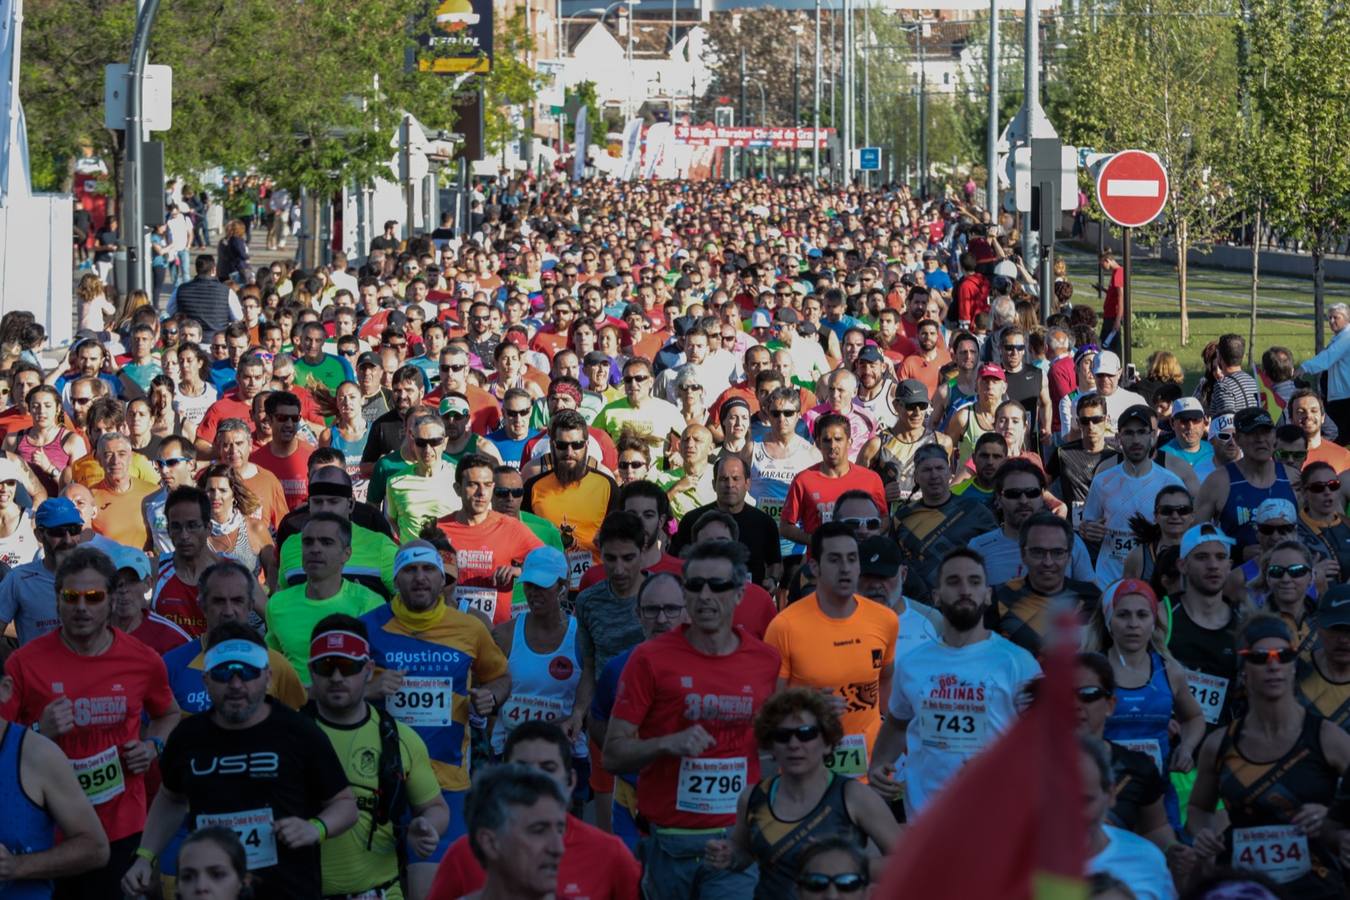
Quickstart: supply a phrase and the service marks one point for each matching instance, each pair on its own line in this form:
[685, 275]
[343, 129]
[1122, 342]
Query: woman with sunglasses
[832, 868]
[1285, 588]
[689, 390]
[1276, 520]
[804, 802]
[1139, 787]
[235, 533]
[1173, 512]
[1151, 688]
[1276, 769]
[1321, 524]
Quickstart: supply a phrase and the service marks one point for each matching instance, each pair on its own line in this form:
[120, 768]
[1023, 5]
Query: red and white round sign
[1132, 188]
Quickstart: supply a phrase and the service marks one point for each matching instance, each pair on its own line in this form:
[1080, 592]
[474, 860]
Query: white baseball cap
[1106, 363]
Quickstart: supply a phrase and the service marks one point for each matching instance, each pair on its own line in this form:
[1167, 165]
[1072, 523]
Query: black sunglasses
[1297, 570]
[425, 443]
[846, 883]
[803, 733]
[345, 667]
[1091, 694]
[1269, 530]
[1020, 493]
[569, 445]
[716, 585]
[514, 493]
[1284, 656]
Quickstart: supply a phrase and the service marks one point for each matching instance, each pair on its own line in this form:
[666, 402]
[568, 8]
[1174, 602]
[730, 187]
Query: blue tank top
[25, 827]
[1142, 713]
[1239, 511]
[351, 450]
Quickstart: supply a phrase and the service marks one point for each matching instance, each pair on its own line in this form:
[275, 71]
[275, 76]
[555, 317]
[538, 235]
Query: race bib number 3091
[423, 701]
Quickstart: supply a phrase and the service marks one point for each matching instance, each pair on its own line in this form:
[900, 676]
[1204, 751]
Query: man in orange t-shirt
[839, 641]
[118, 496]
[489, 546]
[926, 365]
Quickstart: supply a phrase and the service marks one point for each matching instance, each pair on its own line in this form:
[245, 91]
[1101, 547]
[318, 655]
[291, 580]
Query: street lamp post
[796, 90]
[991, 137]
[815, 106]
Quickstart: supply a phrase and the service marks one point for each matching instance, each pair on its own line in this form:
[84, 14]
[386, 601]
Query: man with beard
[253, 766]
[1125, 490]
[876, 390]
[87, 686]
[952, 697]
[652, 506]
[926, 365]
[1019, 493]
[386, 432]
[571, 494]
[837, 641]
[285, 455]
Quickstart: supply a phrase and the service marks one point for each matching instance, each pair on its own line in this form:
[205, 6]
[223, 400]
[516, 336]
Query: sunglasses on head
[222, 673]
[1321, 487]
[803, 733]
[1297, 570]
[513, 493]
[716, 585]
[343, 666]
[1284, 656]
[846, 883]
[89, 598]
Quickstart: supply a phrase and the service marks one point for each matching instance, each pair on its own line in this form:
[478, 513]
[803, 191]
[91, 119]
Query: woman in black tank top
[1276, 769]
[778, 818]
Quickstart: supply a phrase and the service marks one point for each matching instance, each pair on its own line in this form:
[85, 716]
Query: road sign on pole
[1132, 188]
[869, 159]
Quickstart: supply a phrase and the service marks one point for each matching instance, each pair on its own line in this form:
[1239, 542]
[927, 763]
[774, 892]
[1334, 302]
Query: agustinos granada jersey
[109, 693]
[668, 686]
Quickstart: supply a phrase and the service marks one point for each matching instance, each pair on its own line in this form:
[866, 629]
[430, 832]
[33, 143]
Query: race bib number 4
[1278, 851]
[423, 702]
[255, 830]
[1209, 692]
[849, 757]
[710, 786]
[478, 599]
[954, 726]
[100, 776]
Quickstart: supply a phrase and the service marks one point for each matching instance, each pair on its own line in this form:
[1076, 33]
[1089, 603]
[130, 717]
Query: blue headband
[417, 554]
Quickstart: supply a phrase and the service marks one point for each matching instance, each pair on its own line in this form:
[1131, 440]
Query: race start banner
[710, 135]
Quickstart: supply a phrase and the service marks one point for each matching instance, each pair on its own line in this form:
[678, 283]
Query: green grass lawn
[1219, 303]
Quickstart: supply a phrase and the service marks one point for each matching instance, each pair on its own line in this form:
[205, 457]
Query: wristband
[323, 829]
[158, 745]
[147, 855]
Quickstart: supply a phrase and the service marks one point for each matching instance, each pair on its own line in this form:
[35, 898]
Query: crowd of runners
[655, 539]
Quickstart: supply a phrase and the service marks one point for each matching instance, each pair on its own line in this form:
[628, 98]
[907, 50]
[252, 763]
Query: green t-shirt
[291, 617]
[350, 866]
[330, 372]
[371, 563]
[385, 468]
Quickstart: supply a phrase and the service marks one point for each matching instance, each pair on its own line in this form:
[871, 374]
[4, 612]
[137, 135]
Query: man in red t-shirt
[489, 547]
[285, 455]
[86, 686]
[683, 721]
[1115, 289]
[594, 865]
[187, 516]
[811, 496]
[251, 378]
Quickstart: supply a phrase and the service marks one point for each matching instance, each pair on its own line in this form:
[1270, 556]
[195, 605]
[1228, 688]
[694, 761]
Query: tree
[1161, 76]
[585, 95]
[306, 92]
[511, 83]
[1298, 75]
[767, 36]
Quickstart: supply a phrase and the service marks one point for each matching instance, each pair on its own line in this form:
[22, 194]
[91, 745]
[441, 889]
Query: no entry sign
[1132, 188]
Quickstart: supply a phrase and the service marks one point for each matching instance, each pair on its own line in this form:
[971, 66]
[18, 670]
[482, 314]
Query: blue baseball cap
[128, 558]
[56, 512]
[544, 567]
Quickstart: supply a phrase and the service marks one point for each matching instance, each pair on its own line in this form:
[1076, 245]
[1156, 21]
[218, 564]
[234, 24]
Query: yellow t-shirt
[843, 656]
[120, 517]
[349, 866]
[582, 505]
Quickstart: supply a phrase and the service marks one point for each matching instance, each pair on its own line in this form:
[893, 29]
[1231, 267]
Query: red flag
[1010, 824]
